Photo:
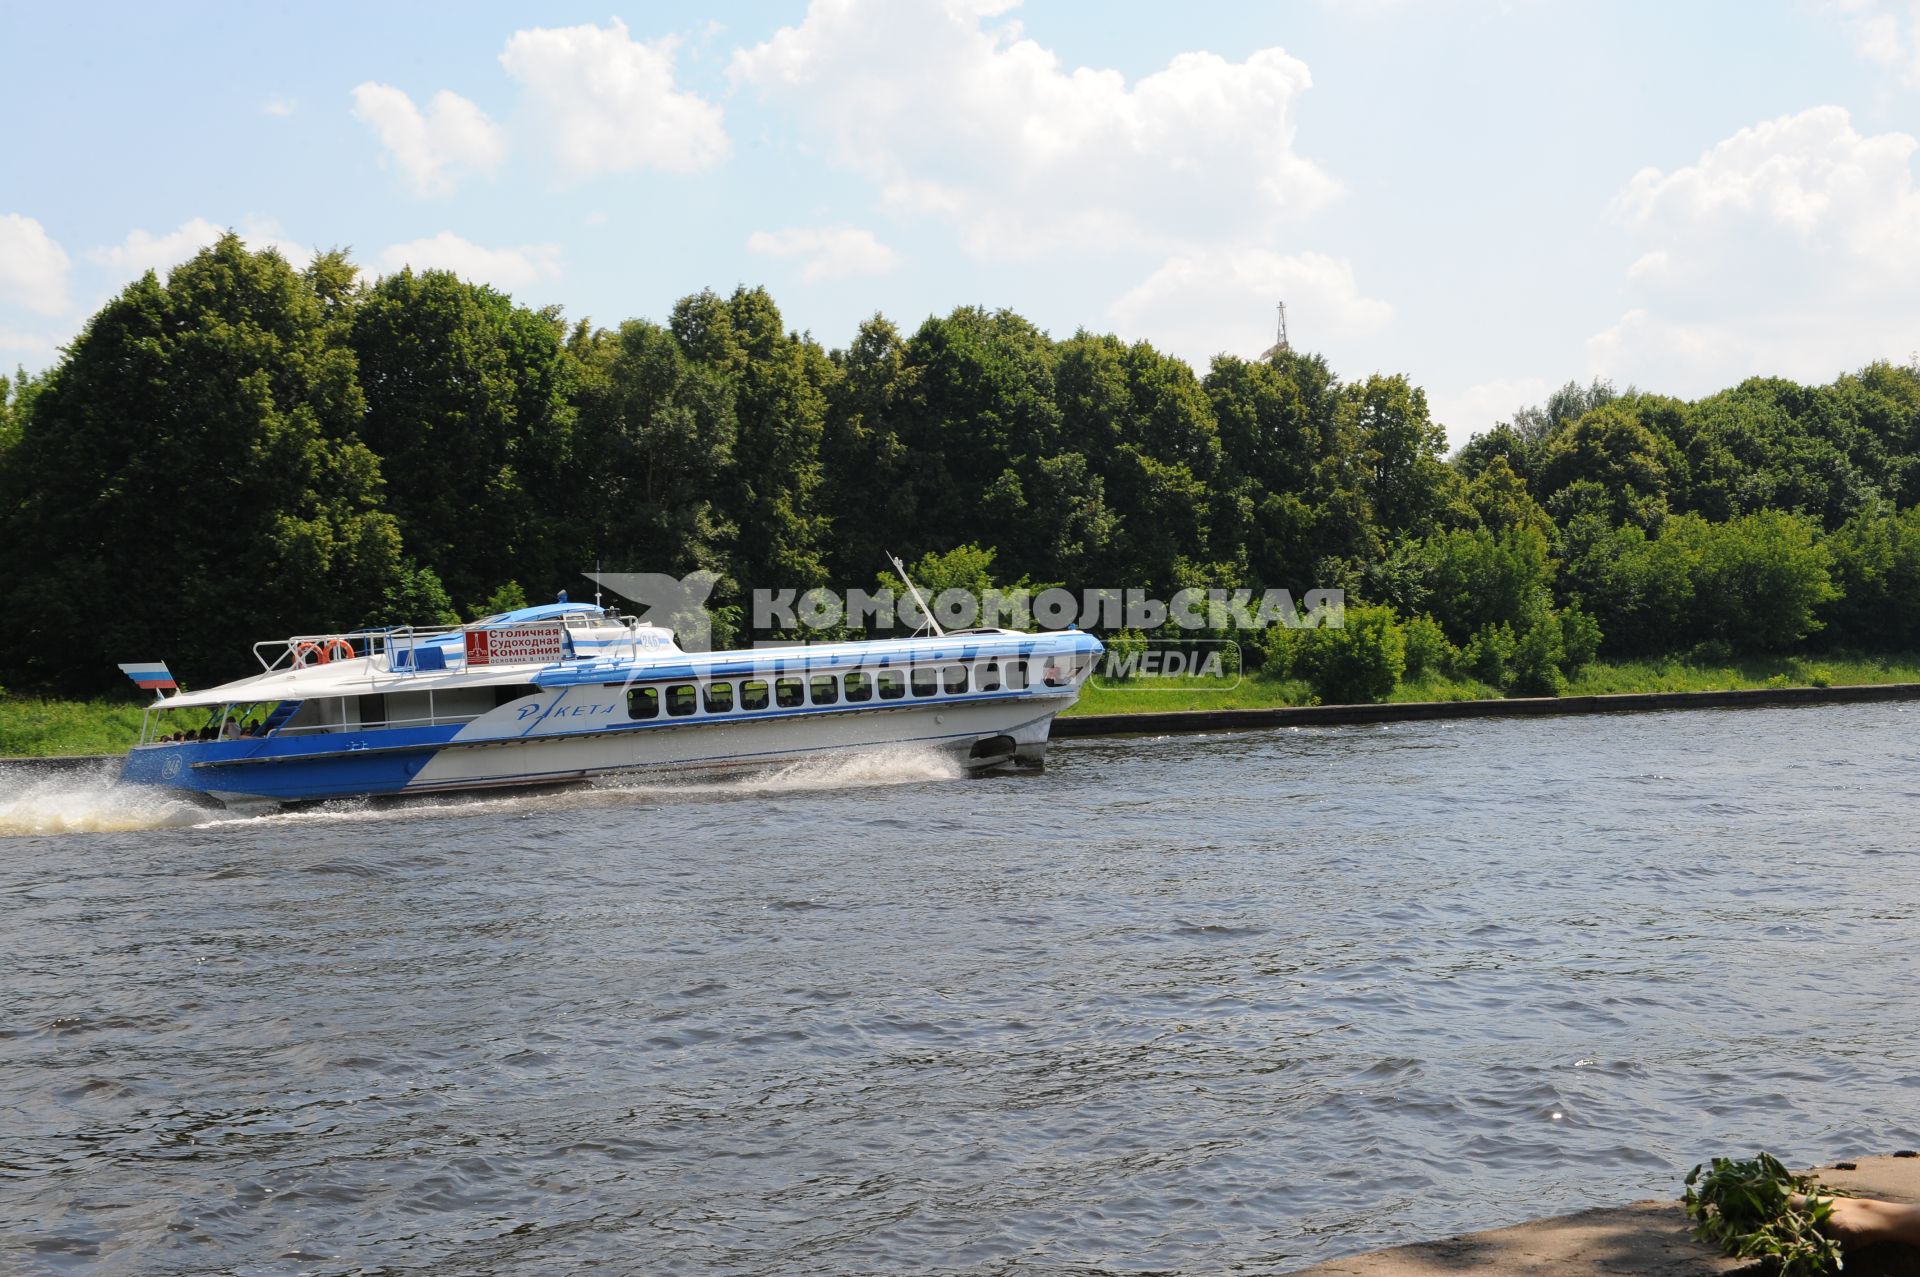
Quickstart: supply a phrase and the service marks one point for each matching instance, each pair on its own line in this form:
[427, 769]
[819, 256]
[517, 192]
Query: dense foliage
[243, 449]
[1755, 1208]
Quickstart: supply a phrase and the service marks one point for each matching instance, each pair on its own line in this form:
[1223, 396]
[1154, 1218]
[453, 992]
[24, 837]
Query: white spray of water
[92, 800]
[835, 771]
[89, 800]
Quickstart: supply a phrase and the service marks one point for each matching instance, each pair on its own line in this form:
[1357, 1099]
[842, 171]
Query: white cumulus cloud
[142, 250]
[1790, 247]
[504, 268]
[1198, 305]
[33, 267]
[1886, 33]
[434, 148]
[27, 345]
[956, 117]
[1476, 409]
[608, 102]
[827, 252]
[1812, 174]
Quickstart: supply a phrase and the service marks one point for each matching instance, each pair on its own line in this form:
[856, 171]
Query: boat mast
[925, 611]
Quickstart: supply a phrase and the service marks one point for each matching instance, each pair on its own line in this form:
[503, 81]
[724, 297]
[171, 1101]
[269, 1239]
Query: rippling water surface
[1186, 1005]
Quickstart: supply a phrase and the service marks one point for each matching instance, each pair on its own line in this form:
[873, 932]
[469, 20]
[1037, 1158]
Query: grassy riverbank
[1152, 695]
[34, 727]
[31, 727]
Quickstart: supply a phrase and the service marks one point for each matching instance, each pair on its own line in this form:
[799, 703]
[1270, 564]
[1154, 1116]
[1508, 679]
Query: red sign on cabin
[520, 645]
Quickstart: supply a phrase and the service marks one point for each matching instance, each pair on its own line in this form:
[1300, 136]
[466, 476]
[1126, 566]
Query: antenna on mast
[1281, 345]
[925, 611]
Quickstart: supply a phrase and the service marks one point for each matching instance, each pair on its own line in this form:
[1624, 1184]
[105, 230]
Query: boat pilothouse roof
[556, 645]
[414, 658]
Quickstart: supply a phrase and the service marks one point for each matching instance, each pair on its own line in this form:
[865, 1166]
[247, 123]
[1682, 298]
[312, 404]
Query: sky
[1491, 196]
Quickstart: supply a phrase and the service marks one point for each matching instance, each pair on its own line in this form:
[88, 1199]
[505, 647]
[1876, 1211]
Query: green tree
[1501, 499]
[1759, 581]
[981, 418]
[416, 597]
[508, 598]
[1876, 572]
[1475, 579]
[780, 384]
[467, 405]
[1294, 468]
[190, 479]
[16, 396]
[867, 483]
[1610, 449]
[1769, 444]
[1360, 661]
[1639, 589]
[1427, 648]
[653, 443]
[1410, 490]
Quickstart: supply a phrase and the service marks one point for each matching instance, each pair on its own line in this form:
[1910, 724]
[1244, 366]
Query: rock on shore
[1650, 1238]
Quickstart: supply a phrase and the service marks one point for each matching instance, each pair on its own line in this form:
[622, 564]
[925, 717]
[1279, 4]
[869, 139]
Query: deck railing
[387, 641]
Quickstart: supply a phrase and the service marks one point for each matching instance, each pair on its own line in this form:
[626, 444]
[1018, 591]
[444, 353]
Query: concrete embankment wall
[1208, 720]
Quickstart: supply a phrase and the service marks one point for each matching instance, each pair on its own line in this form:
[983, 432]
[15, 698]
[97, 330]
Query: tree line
[243, 449]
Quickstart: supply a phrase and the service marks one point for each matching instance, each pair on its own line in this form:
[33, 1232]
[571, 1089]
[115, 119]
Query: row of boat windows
[852, 688]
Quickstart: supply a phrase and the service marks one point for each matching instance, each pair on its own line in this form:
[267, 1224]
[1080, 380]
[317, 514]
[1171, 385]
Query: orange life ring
[308, 654]
[336, 649]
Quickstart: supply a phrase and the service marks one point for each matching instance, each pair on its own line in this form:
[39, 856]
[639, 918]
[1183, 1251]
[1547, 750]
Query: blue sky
[1492, 196]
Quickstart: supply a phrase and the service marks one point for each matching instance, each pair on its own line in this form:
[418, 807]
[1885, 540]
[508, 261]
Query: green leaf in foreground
[1754, 1208]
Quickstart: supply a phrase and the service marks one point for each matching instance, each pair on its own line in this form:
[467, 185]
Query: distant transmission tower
[1281, 346]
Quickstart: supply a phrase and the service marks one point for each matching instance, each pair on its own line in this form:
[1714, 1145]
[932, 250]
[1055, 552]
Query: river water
[1195, 1004]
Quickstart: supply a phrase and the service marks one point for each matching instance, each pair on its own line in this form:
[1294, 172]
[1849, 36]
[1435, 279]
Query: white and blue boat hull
[988, 700]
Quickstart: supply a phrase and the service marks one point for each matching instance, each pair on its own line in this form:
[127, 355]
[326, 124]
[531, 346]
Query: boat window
[719, 698]
[893, 685]
[859, 687]
[926, 682]
[1016, 675]
[789, 692]
[512, 692]
[825, 688]
[988, 678]
[753, 694]
[643, 702]
[955, 678]
[682, 700]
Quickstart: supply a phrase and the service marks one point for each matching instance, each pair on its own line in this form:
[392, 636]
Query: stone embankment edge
[1208, 720]
[1652, 1239]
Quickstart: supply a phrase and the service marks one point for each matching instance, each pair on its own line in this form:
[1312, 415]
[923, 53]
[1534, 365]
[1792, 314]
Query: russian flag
[151, 675]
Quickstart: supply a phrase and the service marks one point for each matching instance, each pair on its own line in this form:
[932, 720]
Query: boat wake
[840, 771]
[89, 800]
[92, 799]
